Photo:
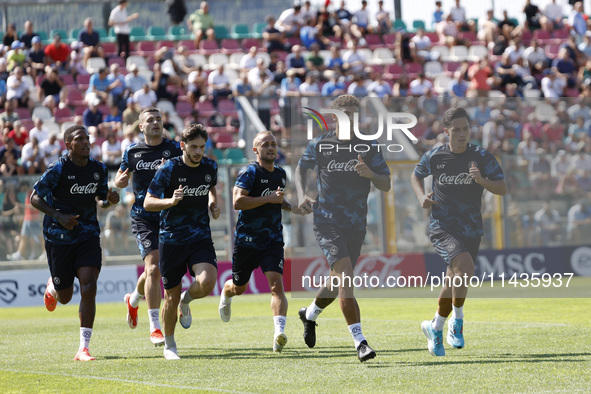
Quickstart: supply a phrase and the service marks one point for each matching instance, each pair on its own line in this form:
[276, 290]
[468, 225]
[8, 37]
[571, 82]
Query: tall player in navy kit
[183, 189]
[259, 194]
[142, 160]
[461, 172]
[344, 180]
[66, 193]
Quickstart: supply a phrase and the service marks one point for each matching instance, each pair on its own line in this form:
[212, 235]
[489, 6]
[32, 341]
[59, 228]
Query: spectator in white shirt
[552, 85]
[134, 81]
[353, 61]
[553, 17]
[420, 86]
[219, 85]
[290, 21]
[249, 60]
[39, 132]
[111, 152]
[360, 24]
[383, 19]
[32, 157]
[309, 87]
[535, 57]
[17, 89]
[145, 97]
[51, 149]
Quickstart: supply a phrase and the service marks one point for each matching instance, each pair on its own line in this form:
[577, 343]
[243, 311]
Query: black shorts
[449, 245]
[176, 259]
[64, 260]
[339, 242]
[246, 260]
[146, 234]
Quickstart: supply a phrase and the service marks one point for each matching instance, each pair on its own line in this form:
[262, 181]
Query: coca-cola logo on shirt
[84, 189]
[339, 166]
[460, 179]
[147, 165]
[269, 191]
[196, 191]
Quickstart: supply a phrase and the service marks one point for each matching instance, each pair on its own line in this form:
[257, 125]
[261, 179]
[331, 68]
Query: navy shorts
[64, 260]
[449, 245]
[338, 242]
[246, 260]
[146, 234]
[176, 259]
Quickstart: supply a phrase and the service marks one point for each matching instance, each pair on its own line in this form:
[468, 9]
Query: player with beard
[259, 194]
[461, 172]
[340, 216]
[142, 160]
[66, 193]
[183, 191]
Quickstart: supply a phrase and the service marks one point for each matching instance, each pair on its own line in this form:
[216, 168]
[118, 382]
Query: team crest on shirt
[56, 280]
[96, 176]
[166, 153]
[164, 280]
[451, 247]
[147, 243]
[207, 178]
[334, 250]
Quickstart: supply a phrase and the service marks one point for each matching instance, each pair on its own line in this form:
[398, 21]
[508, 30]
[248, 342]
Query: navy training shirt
[143, 161]
[458, 196]
[188, 221]
[260, 227]
[72, 189]
[342, 193]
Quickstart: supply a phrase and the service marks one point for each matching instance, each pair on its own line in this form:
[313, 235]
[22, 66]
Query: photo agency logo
[391, 121]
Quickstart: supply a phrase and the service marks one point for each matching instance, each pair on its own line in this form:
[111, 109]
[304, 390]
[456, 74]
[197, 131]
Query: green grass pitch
[512, 345]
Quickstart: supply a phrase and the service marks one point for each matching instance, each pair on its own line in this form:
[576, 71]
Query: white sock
[279, 322]
[355, 330]
[438, 322]
[85, 334]
[226, 300]
[458, 313]
[186, 298]
[154, 315]
[135, 298]
[51, 289]
[169, 343]
[313, 311]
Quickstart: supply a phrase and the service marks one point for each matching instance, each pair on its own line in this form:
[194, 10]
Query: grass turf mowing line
[513, 345]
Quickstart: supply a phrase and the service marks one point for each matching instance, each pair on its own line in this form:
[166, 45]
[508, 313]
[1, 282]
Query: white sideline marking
[122, 380]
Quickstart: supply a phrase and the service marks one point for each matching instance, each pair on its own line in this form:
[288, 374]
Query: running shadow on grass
[295, 353]
[506, 358]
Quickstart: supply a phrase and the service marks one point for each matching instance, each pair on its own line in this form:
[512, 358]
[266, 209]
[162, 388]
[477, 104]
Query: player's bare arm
[122, 178]
[67, 220]
[382, 182]
[426, 200]
[213, 203]
[112, 199]
[304, 202]
[495, 187]
[155, 204]
[242, 201]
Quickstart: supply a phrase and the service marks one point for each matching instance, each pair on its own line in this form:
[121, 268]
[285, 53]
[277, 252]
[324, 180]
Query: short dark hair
[68, 134]
[193, 131]
[346, 100]
[150, 109]
[454, 113]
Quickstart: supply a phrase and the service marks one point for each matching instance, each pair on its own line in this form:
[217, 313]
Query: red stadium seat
[184, 109]
[62, 114]
[227, 107]
[146, 48]
[82, 80]
[247, 43]
[373, 41]
[189, 44]
[230, 45]
[165, 43]
[75, 97]
[207, 47]
[224, 140]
